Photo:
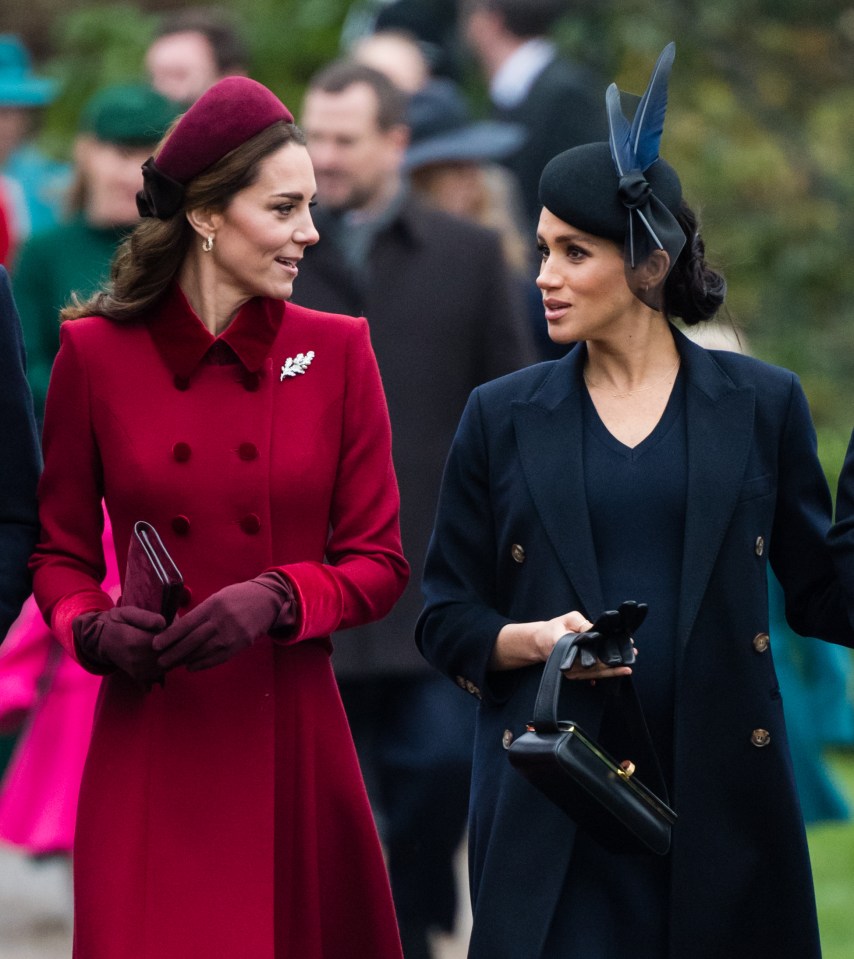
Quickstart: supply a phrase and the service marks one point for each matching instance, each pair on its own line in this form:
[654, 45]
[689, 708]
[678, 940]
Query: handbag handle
[545, 707]
[548, 695]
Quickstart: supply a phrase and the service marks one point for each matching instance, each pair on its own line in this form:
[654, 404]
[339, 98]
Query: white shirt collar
[515, 77]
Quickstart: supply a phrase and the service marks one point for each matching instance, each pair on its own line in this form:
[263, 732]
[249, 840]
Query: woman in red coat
[222, 813]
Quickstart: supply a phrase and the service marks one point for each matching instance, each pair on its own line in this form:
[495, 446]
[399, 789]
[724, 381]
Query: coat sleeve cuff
[320, 603]
[68, 608]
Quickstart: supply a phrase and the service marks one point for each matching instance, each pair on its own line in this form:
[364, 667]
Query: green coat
[70, 258]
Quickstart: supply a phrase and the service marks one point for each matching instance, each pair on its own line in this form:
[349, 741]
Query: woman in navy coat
[638, 467]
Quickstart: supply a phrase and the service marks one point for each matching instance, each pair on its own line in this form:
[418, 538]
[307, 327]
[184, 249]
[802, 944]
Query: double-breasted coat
[224, 815]
[513, 542]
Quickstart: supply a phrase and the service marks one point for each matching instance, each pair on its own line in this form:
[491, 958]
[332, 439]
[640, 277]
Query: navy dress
[613, 905]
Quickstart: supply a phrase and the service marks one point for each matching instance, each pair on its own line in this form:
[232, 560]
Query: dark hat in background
[128, 114]
[19, 86]
[226, 116]
[443, 131]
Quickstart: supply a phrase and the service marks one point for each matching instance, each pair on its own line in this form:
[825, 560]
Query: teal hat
[129, 114]
[19, 86]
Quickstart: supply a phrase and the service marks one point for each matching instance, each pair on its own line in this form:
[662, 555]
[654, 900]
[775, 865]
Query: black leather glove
[119, 638]
[609, 639]
[227, 622]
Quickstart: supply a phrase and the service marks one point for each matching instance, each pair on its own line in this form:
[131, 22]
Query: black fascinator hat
[623, 190]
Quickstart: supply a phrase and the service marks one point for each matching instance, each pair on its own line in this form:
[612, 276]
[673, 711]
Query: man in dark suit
[558, 102]
[20, 463]
[443, 319]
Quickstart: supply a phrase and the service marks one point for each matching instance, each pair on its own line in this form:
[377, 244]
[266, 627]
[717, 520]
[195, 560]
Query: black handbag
[604, 797]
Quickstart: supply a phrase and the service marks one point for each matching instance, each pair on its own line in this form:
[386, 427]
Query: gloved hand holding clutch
[119, 638]
[227, 622]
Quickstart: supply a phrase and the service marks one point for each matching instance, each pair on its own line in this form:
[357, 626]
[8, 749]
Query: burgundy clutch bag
[152, 580]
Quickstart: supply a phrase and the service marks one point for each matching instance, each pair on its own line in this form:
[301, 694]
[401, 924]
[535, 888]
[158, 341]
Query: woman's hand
[120, 638]
[225, 623]
[522, 644]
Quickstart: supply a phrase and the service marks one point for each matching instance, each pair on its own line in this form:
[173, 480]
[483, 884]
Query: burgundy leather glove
[119, 638]
[227, 622]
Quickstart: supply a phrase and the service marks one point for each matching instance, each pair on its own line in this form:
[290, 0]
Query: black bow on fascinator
[160, 196]
[634, 149]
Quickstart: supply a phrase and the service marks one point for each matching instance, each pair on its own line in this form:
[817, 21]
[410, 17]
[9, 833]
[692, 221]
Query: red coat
[224, 815]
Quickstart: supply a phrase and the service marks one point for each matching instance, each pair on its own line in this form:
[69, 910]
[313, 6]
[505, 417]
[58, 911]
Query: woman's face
[260, 237]
[111, 175]
[583, 282]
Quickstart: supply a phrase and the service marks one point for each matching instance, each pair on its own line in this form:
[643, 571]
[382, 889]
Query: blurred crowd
[403, 157]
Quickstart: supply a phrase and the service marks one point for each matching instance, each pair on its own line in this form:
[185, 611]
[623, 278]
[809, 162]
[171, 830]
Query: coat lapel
[549, 437]
[720, 430]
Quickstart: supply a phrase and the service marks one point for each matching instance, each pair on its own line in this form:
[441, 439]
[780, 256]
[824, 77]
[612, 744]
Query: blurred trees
[761, 128]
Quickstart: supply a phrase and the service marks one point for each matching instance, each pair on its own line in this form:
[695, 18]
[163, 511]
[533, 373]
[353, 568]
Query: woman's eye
[543, 251]
[285, 208]
[575, 253]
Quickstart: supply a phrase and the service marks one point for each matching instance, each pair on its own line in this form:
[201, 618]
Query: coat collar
[720, 417]
[183, 340]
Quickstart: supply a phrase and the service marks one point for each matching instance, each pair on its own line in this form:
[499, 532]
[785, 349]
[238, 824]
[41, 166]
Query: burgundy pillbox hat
[226, 116]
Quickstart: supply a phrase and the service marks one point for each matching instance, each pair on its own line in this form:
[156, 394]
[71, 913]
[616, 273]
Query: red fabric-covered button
[251, 381]
[181, 525]
[250, 523]
[247, 451]
[186, 596]
[181, 452]
[181, 382]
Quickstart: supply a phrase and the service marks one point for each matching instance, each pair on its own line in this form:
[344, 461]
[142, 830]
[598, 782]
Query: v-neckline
[668, 417]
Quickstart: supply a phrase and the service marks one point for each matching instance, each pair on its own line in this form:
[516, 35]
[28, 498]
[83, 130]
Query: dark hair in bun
[693, 290]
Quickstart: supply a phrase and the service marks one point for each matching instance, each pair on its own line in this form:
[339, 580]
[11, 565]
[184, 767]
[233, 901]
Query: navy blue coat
[741, 881]
[20, 463]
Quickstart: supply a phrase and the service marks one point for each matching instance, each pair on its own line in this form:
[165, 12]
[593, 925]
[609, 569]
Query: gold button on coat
[760, 737]
[761, 642]
[507, 739]
[759, 548]
[518, 553]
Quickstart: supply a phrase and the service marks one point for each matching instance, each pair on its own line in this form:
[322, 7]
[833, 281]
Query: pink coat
[41, 682]
[224, 815]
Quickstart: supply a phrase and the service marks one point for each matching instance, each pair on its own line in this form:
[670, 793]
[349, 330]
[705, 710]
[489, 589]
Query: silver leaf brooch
[297, 365]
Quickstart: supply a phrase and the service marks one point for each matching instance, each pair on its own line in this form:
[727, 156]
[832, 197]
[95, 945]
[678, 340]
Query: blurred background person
[119, 128]
[444, 316]
[192, 49]
[558, 102]
[49, 701]
[34, 185]
[7, 238]
[397, 54]
[20, 462]
[433, 24]
[452, 164]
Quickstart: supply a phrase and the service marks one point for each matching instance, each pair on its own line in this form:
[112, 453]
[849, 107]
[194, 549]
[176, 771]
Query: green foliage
[832, 854]
[96, 46]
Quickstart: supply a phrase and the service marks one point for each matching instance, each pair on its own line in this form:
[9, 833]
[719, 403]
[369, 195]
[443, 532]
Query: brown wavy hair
[146, 263]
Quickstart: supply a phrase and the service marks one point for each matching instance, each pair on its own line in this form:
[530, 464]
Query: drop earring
[207, 246]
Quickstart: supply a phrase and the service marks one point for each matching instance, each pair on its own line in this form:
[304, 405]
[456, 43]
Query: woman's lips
[555, 309]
